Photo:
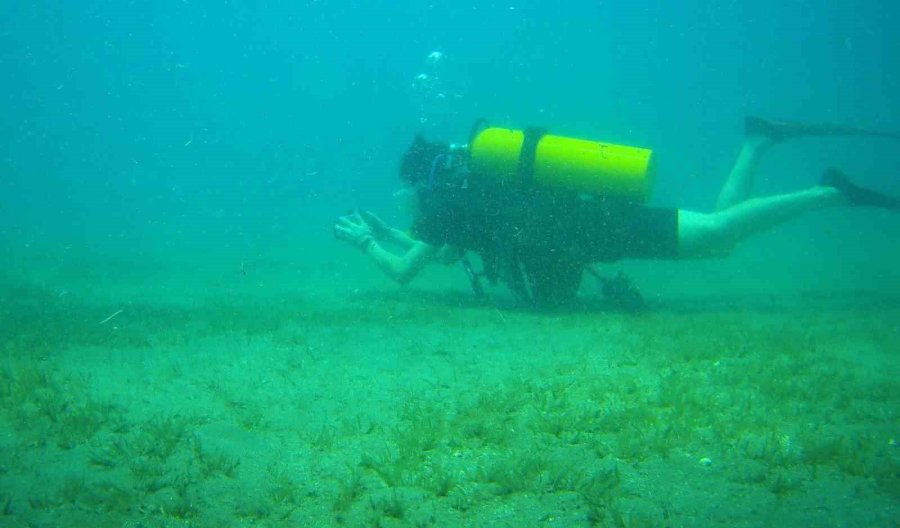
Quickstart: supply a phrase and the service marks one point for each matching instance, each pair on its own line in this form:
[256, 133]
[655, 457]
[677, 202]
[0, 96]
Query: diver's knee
[721, 233]
[705, 236]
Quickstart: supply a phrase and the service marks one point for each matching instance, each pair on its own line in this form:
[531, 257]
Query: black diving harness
[619, 289]
[518, 281]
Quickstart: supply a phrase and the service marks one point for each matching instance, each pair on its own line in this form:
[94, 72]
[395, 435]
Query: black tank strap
[479, 125]
[525, 169]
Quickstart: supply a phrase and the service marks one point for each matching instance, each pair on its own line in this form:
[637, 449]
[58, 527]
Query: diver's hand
[380, 230]
[355, 230]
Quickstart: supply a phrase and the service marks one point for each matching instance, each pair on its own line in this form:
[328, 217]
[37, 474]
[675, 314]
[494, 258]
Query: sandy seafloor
[270, 394]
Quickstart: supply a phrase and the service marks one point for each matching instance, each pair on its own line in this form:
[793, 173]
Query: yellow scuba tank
[534, 157]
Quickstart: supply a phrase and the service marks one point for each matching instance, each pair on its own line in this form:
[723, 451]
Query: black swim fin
[856, 195]
[782, 130]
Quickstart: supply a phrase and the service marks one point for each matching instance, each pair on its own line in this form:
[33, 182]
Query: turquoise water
[185, 344]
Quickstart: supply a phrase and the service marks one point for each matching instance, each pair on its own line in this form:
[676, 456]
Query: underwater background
[184, 343]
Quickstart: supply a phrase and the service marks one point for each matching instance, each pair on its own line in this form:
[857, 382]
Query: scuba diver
[539, 209]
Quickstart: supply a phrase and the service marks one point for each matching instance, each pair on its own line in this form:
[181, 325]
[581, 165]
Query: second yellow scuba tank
[534, 157]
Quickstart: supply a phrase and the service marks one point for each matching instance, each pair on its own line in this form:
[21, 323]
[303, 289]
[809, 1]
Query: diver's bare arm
[385, 233]
[401, 268]
[448, 255]
[399, 238]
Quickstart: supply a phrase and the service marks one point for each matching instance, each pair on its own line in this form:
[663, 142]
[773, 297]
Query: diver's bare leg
[739, 184]
[761, 134]
[703, 235]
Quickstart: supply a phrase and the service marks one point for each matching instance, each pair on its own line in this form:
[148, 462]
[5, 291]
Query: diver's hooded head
[422, 161]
